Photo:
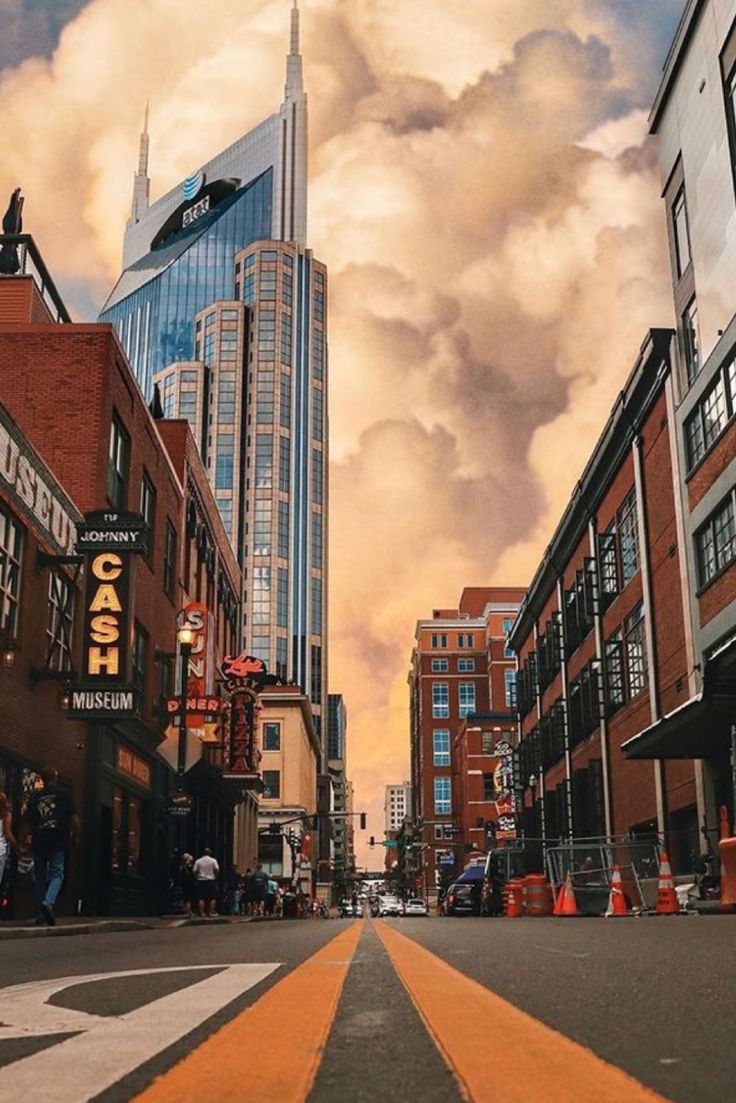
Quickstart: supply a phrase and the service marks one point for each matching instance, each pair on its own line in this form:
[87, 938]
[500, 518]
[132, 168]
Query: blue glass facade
[155, 322]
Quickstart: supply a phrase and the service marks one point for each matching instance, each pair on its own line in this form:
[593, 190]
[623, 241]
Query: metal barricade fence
[590, 864]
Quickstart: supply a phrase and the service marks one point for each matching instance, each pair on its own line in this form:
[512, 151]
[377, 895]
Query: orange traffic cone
[566, 902]
[667, 902]
[617, 900]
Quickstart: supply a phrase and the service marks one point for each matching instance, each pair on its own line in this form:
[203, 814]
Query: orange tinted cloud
[484, 195]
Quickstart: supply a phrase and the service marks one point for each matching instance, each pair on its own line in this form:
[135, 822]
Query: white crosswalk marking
[76, 1070]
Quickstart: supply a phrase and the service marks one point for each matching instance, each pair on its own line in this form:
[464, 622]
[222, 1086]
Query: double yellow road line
[270, 1053]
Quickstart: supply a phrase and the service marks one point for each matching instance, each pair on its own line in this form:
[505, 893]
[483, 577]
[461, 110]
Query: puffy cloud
[486, 200]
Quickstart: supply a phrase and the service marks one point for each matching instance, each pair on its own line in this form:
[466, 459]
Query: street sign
[453, 831]
[392, 844]
[180, 805]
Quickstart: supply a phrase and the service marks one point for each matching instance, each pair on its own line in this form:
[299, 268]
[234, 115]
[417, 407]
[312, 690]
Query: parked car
[389, 905]
[463, 898]
[415, 906]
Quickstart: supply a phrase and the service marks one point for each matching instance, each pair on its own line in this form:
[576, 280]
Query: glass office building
[222, 305]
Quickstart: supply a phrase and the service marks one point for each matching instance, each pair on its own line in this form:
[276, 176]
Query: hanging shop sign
[242, 754]
[243, 672]
[104, 530]
[201, 667]
[180, 804]
[197, 707]
[506, 800]
[105, 689]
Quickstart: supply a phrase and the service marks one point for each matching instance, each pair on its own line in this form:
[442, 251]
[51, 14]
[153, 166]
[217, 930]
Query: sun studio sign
[109, 542]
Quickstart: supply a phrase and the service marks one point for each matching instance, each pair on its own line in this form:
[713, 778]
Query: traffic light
[372, 840]
[363, 821]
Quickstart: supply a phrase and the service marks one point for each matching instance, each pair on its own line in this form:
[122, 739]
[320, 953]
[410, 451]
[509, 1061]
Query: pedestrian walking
[206, 872]
[246, 899]
[259, 888]
[53, 826]
[7, 838]
[187, 883]
[271, 891]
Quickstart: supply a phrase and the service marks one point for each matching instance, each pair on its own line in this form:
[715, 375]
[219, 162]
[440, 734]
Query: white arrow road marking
[76, 1070]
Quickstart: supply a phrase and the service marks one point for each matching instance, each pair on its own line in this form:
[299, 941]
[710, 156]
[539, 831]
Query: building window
[272, 784]
[169, 559]
[272, 736]
[466, 640]
[691, 340]
[509, 678]
[282, 599]
[507, 626]
[317, 476]
[60, 622]
[283, 508]
[281, 658]
[440, 701]
[148, 508]
[440, 666]
[140, 651]
[634, 642]
[439, 640]
[11, 550]
[618, 549]
[715, 542]
[442, 796]
[628, 535]
[441, 747]
[264, 461]
[284, 459]
[465, 666]
[711, 415]
[316, 619]
[489, 788]
[486, 742]
[466, 698]
[681, 231]
[117, 467]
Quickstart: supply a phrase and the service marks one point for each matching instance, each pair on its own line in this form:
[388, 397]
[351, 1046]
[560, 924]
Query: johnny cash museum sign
[108, 541]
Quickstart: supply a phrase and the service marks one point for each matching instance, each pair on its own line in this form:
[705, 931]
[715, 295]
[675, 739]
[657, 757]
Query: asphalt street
[577, 1011]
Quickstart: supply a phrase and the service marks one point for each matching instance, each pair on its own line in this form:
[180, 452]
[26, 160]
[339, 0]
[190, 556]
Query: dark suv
[463, 899]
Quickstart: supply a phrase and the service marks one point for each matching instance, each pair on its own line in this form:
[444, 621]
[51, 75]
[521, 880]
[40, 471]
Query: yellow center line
[496, 1050]
[270, 1052]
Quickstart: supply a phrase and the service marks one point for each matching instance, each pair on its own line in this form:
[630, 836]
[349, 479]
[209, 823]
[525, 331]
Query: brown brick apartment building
[69, 391]
[601, 639]
[455, 652]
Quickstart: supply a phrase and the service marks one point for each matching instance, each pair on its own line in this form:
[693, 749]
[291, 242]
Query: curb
[114, 926]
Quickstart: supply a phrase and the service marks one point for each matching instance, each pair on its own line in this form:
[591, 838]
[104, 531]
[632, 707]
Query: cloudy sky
[484, 194]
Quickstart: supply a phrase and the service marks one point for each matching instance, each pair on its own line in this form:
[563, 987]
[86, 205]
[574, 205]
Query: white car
[416, 907]
[389, 905]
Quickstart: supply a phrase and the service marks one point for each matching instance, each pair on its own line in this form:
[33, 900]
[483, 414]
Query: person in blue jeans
[53, 825]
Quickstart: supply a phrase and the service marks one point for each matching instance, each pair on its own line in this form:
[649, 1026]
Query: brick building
[601, 638]
[69, 391]
[694, 120]
[456, 671]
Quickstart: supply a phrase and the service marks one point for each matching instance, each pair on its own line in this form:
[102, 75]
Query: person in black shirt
[53, 824]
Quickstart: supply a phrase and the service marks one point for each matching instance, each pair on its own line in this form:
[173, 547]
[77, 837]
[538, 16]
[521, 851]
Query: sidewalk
[78, 925]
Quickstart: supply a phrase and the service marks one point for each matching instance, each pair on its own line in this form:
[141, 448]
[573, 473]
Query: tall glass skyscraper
[223, 306]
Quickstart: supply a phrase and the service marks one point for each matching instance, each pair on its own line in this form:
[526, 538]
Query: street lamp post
[185, 636]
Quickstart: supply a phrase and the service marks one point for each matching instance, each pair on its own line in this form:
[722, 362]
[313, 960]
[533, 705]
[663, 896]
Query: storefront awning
[701, 728]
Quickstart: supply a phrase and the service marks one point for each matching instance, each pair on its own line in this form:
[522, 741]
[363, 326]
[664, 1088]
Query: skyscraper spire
[141, 182]
[294, 77]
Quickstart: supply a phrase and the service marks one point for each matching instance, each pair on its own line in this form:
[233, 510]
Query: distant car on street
[415, 906]
[346, 909]
[389, 905]
[463, 899]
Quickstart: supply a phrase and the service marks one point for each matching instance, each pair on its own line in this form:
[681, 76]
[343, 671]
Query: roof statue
[12, 224]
